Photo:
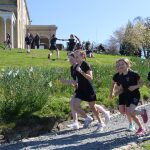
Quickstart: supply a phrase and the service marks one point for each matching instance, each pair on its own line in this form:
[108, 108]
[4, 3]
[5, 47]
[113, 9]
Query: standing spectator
[37, 40]
[7, 42]
[89, 52]
[32, 42]
[28, 40]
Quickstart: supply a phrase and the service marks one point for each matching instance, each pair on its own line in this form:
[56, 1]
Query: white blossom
[16, 73]
[10, 72]
[50, 84]
[31, 69]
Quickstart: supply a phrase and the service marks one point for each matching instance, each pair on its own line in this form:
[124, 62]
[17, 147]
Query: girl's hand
[78, 69]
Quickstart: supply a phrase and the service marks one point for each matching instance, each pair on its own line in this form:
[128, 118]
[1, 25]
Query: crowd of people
[73, 43]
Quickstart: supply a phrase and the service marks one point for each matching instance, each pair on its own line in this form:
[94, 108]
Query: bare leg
[74, 113]
[132, 112]
[95, 111]
[100, 108]
[57, 53]
[123, 110]
[77, 107]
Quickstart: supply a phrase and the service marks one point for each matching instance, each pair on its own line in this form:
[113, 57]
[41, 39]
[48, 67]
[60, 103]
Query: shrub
[23, 91]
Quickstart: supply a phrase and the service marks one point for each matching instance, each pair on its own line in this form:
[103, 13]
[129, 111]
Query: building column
[12, 33]
[5, 28]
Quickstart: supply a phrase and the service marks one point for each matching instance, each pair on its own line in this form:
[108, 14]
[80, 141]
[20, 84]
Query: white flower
[50, 84]
[31, 69]
[15, 74]
[10, 72]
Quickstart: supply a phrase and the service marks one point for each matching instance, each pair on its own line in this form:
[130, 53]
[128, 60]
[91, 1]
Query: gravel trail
[115, 135]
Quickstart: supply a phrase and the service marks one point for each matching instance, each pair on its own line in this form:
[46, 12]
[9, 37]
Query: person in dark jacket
[37, 40]
[28, 40]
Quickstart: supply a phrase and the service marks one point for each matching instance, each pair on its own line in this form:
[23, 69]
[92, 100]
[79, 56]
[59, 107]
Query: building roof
[4, 10]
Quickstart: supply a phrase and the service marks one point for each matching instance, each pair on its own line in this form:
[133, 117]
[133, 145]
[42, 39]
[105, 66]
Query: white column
[5, 28]
[12, 33]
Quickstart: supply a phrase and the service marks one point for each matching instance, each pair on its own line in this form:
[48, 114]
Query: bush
[23, 91]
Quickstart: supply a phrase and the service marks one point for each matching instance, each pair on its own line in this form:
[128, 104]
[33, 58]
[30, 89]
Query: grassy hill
[59, 97]
[19, 58]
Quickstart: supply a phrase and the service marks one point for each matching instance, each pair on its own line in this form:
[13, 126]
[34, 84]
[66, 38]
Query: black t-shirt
[73, 72]
[53, 41]
[130, 79]
[28, 40]
[84, 85]
[117, 78]
[71, 42]
[148, 77]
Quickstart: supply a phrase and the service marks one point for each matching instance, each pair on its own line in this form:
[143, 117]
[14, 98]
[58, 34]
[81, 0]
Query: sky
[93, 20]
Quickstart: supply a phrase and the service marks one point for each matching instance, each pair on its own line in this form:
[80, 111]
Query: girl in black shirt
[73, 82]
[117, 90]
[131, 82]
[53, 46]
[85, 90]
[72, 43]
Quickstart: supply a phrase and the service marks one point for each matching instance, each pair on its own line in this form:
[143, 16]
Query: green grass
[146, 145]
[19, 58]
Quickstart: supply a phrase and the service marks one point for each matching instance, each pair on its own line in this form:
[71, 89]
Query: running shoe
[87, 121]
[140, 131]
[131, 127]
[100, 127]
[74, 126]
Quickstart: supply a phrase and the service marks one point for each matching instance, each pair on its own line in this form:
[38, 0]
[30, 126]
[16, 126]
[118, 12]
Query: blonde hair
[81, 53]
[126, 60]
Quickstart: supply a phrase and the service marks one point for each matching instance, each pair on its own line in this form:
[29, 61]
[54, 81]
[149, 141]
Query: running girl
[73, 82]
[53, 46]
[85, 91]
[117, 90]
[131, 82]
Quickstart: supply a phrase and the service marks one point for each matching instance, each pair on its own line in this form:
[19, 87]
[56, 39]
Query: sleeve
[148, 77]
[73, 75]
[115, 78]
[86, 67]
[137, 76]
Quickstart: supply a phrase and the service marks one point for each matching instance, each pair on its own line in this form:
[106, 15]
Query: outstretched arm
[69, 82]
[77, 38]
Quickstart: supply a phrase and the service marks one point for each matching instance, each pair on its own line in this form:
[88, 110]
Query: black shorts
[70, 49]
[122, 100]
[85, 97]
[134, 99]
[53, 47]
